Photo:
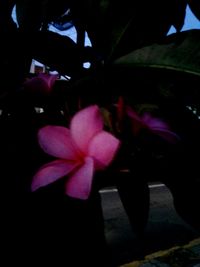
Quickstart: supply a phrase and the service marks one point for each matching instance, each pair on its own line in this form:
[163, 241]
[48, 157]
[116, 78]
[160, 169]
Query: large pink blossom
[80, 151]
[155, 125]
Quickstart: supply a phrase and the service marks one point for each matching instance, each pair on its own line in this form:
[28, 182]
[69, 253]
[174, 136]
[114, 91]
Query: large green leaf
[167, 71]
[179, 52]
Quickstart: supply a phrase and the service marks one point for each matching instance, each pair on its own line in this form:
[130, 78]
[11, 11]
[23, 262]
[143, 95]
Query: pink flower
[42, 83]
[155, 125]
[80, 150]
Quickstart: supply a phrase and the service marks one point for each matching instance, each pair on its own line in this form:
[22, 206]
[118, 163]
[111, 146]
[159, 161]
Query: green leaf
[179, 52]
[168, 71]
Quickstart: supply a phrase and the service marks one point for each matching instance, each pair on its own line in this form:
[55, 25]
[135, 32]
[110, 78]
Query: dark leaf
[56, 51]
[138, 23]
[195, 7]
[89, 15]
[116, 28]
[6, 22]
[30, 14]
[56, 9]
[179, 13]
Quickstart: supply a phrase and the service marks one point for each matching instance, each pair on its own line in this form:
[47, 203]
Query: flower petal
[42, 83]
[132, 114]
[152, 122]
[169, 136]
[56, 141]
[84, 125]
[80, 183]
[49, 79]
[159, 127]
[103, 148]
[51, 172]
[137, 122]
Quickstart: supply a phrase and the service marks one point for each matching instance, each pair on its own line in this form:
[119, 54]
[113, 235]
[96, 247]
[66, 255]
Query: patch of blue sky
[191, 22]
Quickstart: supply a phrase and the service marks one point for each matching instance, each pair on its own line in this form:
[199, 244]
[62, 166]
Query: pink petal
[80, 183]
[49, 79]
[132, 114]
[152, 122]
[56, 141]
[42, 83]
[161, 128]
[155, 125]
[103, 148]
[169, 136]
[137, 122]
[120, 108]
[84, 125]
[35, 84]
[51, 172]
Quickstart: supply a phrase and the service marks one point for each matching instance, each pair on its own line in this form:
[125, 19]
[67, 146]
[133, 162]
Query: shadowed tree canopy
[114, 28]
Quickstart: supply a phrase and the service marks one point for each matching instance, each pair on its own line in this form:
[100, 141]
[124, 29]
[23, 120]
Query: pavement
[165, 228]
[187, 255]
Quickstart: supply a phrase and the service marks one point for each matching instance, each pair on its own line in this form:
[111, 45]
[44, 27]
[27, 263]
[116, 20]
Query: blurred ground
[165, 228]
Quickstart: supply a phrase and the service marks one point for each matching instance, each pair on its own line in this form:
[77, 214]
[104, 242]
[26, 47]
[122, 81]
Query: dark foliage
[130, 57]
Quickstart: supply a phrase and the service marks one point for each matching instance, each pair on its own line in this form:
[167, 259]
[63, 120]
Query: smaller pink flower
[81, 150]
[42, 83]
[155, 125]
